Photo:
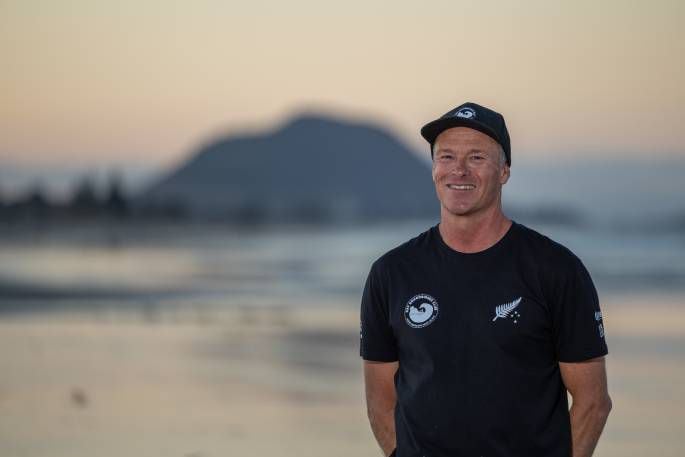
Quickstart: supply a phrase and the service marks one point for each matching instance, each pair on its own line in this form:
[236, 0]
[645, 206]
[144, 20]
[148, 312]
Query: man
[473, 332]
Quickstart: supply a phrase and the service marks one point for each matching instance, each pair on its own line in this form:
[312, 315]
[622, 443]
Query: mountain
[312, 169]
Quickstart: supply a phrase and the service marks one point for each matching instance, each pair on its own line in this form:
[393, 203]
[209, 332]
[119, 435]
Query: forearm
[381, 399]
[587, 423]
[383, 426]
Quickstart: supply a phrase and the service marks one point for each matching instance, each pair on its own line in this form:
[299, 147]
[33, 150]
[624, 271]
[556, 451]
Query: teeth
[461, 186]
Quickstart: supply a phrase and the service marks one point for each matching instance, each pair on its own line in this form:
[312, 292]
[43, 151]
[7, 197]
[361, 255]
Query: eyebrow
[482, 151]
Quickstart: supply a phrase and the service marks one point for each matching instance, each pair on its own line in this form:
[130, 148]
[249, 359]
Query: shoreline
[283, 381]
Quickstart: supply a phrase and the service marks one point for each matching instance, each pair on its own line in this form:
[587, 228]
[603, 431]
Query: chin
[457, 206]
[458, 210]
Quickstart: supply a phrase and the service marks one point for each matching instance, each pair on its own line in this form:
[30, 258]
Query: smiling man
[473, 332]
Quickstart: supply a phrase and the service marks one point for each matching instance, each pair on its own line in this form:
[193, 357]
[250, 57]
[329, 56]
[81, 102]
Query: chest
[448, 313]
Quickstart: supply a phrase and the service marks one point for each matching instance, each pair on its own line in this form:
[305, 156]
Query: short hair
[502, 154]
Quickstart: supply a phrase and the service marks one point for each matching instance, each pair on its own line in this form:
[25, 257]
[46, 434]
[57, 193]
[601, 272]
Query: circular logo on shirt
[421, 310]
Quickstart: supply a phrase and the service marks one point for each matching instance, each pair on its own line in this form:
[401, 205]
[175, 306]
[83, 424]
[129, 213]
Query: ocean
[187, 339]
[205, 265]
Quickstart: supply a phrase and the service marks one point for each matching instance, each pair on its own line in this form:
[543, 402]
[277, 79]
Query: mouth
[461, 186]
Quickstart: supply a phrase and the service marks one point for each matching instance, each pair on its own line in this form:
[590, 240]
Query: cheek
[439, 172]
[491, 175]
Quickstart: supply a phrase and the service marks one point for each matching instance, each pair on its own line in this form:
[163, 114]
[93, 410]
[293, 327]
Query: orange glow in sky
[85, 81]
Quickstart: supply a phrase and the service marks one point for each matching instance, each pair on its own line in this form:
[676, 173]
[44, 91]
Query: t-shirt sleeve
[376, 338]
[576, 315]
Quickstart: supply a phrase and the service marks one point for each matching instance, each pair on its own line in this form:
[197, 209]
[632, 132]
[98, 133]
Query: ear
[504, 176]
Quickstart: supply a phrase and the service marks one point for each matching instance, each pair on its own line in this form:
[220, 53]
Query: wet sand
[270, 382]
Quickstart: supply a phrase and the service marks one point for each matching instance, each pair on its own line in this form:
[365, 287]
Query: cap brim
[431, 130]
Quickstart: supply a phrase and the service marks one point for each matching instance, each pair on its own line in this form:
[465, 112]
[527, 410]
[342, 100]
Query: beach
[265, 384]
[270, 381]
[205, 341]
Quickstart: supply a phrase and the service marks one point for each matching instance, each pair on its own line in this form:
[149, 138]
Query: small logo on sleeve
[421, 310]
[600, 323]
[508, 310]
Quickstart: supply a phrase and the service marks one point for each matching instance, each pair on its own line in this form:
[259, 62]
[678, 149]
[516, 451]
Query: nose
[460, 167]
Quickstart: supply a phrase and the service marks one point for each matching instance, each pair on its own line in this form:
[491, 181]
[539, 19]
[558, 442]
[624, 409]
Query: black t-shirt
[478, 337]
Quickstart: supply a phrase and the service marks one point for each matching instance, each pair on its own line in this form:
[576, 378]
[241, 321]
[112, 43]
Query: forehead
[456, 137]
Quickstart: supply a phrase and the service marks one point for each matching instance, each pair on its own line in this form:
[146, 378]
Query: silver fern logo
[508, 310]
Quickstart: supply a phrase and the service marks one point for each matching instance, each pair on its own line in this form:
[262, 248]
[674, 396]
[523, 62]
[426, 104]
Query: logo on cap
[468, 113]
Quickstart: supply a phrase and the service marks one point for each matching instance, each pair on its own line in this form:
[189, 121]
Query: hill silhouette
[313, 168]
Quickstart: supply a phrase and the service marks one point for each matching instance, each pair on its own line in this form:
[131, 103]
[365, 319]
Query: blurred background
[192, 193]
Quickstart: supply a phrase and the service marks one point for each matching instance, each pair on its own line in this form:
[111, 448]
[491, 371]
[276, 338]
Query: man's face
[467, 171]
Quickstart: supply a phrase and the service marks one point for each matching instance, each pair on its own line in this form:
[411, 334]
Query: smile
[461, 186]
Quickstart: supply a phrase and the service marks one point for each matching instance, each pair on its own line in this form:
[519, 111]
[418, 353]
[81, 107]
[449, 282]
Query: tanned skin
[469, 171]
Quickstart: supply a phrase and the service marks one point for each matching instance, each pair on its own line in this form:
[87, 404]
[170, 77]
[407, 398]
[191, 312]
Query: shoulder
[409, 251]
[556, 265]
[545, 248]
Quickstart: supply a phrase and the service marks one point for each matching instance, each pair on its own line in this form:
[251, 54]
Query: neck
[473, 232]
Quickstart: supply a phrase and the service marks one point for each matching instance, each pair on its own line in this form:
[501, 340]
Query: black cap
[473, 116]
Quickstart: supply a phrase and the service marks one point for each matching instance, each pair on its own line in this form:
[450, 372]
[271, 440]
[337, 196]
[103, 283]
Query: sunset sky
[142, 83]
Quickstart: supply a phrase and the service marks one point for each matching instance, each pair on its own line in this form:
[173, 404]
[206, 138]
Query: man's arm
[380, 402]
[587, 383]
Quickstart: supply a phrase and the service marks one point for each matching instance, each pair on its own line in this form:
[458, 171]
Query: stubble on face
[468, 172]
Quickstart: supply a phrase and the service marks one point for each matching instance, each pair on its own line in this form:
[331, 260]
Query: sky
[89, 83]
